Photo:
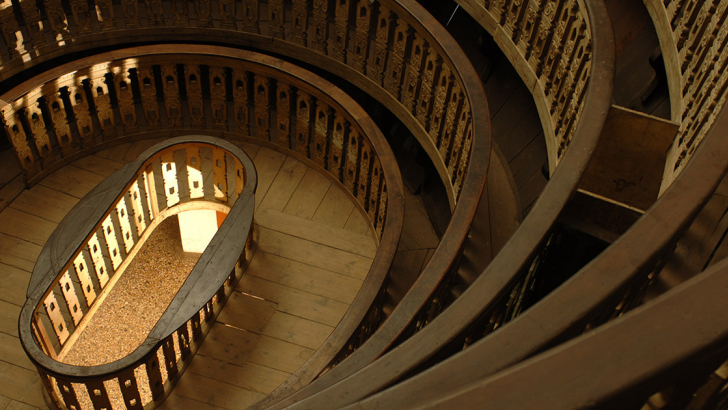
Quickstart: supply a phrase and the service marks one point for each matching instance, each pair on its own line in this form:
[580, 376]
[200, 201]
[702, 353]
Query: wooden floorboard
[25, 226]
[44, 202]
[72, 180]
[284, 185]
[308, 195]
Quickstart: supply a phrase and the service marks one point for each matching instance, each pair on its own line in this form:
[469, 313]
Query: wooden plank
[304, 277]
[176, 402]
[9, 168]
[16, 405]
[247, 312]
[12, 352]
[523, 134]
[307, 197]
[72, 180]
[280, 355]
[357, 223]
[529, 161]
[317, 232]
[250, 149]
[19, 247]
[209, 391]
[312, 253]
[10, 191]
[295, 302]
[45, 202]
[14, 284]
[137, 147]
[14, 261]
[21, 385]
[406, 268]
[117, 151]
[98, 165]
[267, 163]
[335, 208]
[417, 231]
[511, 114]
[25, 226]
[530, 191]
[250, 376]
[297, 330]
[285, 183]
[229, 344]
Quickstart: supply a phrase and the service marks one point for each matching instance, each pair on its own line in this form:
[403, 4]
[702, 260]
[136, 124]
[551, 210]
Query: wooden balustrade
[95, 242]
[241, 96]
[693, 38]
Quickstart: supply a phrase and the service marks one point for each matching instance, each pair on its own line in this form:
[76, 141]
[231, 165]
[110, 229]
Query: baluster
[10, 28]
[449, 128]
[180, 9]
[276, 18]
[226, 8]
[513, 18]
[38, 130]
[283, 115]
[31, 15]
[169, 175]
[81, 16]
[194, 173]
[424, 102]
[352, 156]
[54, 314]
[303, 121]
[261, 99]
[130, 390]
[196, 327]
[125, 99]
[183, 341]
[97, 256]
[130, 9]
[250, 16]
[463, 121]
[155, 12]
[218, 99]
[14, 130]
[364, 173]
[104, 112]
[112, 242]
[172, 103]
[239, 179]
[154, 375]
[69, 295]
[203, 11]
[320, 23]
[68, 394]
[361, 35]
[299, 22]
[464, 160]
[337, 146]
[57, 19]
[82, 272]
[194, 96]
[219, 172]
[81, 113]
[137, 195]
[382, 213]
[395, 65]
[412, 73]
[57, 110]
[99, 396]
[541, 35]
[170, 358]
[105, 14]
[341, 29]
[321, 131]
[148, 89]
[122, 212]
[374, 189]
[378, 58]
[240, 102]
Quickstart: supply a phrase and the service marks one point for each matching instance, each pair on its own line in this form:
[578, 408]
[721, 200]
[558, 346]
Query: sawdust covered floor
[138, 299]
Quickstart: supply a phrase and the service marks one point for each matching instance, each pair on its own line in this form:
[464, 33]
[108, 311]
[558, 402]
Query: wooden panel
[267, 163]
[212, 392]
[21, 385]
[313, 253]
[335, 208]
[228, 344]
[19, 248]
[250, 376]
[247, 312]
[45, 202]
[14, 284]
[296, 330]
[280, 355]
[284, 185]
[638, 144]
[10, 191]
[25, 226]
[317, 232]
[304, 277]
[12, 352]
[308, 195]
[357, 223]
[295, 302]
[72, 180]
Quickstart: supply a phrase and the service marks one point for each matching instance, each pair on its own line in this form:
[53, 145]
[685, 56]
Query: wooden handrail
[126, 207]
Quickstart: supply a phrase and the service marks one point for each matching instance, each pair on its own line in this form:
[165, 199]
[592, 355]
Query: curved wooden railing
[271, 103]
[692, 37]
[92, 246]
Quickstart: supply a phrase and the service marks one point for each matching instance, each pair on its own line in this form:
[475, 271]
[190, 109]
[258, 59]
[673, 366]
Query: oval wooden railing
[102, 234]
[282, 106]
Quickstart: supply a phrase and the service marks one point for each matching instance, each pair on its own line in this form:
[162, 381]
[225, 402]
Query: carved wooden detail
[218, 97]
[261, 100]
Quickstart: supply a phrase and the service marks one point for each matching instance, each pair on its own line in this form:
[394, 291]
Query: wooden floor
[314, 251]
